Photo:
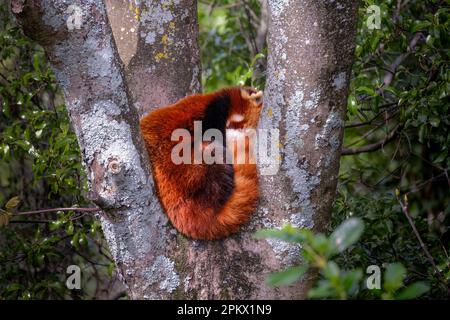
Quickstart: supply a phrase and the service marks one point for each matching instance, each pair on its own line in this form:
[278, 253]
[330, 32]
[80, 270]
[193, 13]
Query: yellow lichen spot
[161, 55]
[172, 25]
[270, 112]
[279, 158]
[164, 39]
[137, 13]
[280, 146]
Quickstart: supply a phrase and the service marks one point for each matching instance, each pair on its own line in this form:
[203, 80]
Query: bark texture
[310, 52]
[158, 43]
[311, 45]
[88, 69]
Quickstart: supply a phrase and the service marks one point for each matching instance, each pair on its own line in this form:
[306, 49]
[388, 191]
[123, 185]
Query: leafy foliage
[400, 80]
[225, 30]
[319, 252]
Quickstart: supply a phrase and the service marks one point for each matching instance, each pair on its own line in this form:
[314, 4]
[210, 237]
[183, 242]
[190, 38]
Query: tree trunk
[79, 45]
[158, 44]
[305, 102]
[311, 45]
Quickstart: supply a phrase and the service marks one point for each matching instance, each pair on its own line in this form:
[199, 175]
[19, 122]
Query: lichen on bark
[310, 53]
[158, 42]
[89, 71]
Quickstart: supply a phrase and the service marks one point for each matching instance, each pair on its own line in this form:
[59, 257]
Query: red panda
[205, 201]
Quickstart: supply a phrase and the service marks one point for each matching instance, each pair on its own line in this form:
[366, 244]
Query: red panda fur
[204, 201]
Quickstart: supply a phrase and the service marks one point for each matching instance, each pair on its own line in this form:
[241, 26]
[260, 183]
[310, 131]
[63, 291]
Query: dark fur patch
[216, 114]
[217, 186]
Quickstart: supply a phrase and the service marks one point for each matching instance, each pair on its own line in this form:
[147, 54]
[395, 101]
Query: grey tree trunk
[79, 44]
[158, 44]
[311, 45]
[310, 54]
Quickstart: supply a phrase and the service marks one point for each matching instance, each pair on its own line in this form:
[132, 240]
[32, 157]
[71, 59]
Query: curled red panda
[205, 201]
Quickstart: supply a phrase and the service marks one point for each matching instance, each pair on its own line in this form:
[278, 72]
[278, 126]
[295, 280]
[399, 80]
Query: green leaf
[288, 234]
[82, 239]
[351, 279]
[422, 133]
[320, 244]
[5, 217]
[352, 105]
[36, 62]
[393, 276]
[12, 203]
[370, 91]
[256, 58]
[347, 234]
[413, 291]
[74, 242]
[420, 26]
[55, 225]
[323, 290]
[14, 287]
[69, 228]
[441, 157]
[331, 270]
[286, 277]
[111, 267]
[434, 121]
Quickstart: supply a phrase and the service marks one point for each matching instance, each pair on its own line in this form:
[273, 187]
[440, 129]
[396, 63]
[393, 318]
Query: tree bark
[311, 45]
[310, 53]
[158, 44]
[88, 69]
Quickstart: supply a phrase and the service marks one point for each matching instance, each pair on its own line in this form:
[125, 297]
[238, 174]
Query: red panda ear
[252, 94]
[245, 94]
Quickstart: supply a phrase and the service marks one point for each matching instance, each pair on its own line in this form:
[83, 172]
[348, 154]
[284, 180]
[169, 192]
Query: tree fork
[310, 53]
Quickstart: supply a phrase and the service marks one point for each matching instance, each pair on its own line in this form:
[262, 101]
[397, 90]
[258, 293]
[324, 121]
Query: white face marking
[236, 118]
[234, 133]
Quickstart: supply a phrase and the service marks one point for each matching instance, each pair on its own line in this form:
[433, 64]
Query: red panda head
[246, 105]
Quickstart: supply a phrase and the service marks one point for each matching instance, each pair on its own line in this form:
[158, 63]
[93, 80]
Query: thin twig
[370, 121]
[425, 183]
[389, 76]
[404, 207]
[397, 11]
[57, 209]
[373, 146]
[365, 135]
[30, 221]
[89, 260]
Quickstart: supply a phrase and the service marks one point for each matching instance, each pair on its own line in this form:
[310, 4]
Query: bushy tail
[242, 202]
[198, 221]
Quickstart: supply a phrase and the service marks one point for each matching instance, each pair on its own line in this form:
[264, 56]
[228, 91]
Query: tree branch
[55, 210]
[373, 146]
[161, 56]
[404, 206]
[261, 34]
[30, 221]
[365, 123]
[389, 76]
[305, 99]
